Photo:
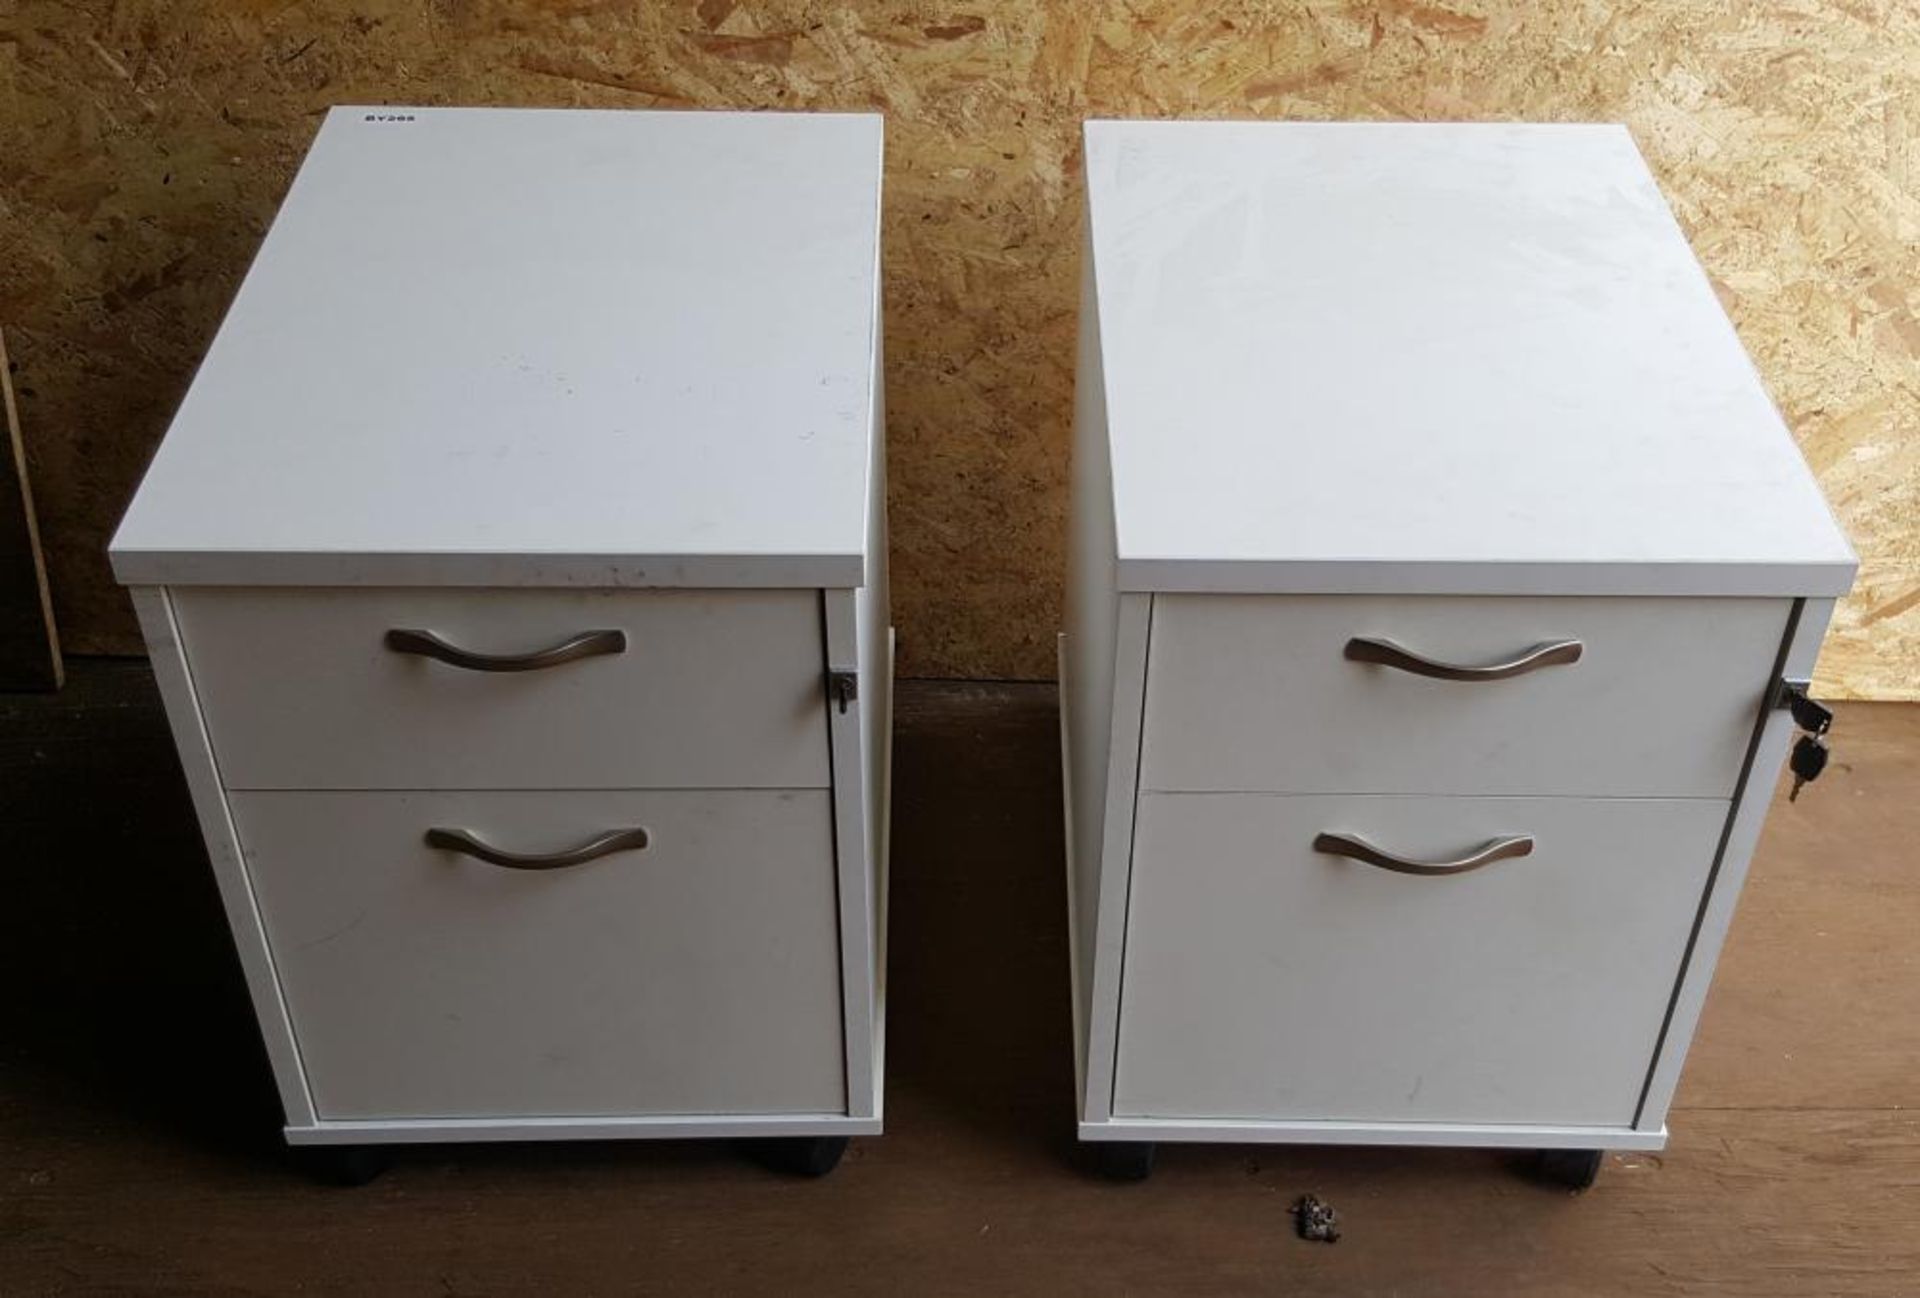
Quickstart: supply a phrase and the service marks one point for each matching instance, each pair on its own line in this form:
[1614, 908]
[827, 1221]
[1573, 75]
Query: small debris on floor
[1316, 1220]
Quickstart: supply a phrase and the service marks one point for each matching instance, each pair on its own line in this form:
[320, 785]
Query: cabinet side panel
[1103, 929]
[1752, 796]
[154, 607]
[1106, 667]
[852, 835]
[872, 618]
[1092, 609]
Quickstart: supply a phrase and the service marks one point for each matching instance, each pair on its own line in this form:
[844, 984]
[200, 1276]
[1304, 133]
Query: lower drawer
[1267, 980]
[697, 975]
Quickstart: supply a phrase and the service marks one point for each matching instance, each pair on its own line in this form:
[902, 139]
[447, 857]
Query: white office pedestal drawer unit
[515, 576]
[1437, 561]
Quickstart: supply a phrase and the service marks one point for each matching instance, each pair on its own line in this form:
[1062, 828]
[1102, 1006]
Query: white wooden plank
[636, 1128]
[1427, 577]
[582, 569]
[504, 347]
[1429, 358]
[172, 673]
[1459, 1135]
[853, 836]
[1775, 734]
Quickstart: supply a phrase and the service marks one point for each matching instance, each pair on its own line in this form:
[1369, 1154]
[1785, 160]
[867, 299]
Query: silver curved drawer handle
[428, 645]
[1553, 653]
[1500, 849]
[459, 840]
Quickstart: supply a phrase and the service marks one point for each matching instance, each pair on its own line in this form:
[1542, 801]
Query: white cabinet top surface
[543, 347]
[1445, 358]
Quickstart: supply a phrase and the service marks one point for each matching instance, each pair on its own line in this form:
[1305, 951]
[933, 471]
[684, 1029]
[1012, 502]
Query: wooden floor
[137, 1125]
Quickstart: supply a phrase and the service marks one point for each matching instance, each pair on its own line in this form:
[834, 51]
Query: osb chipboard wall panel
[146, 144]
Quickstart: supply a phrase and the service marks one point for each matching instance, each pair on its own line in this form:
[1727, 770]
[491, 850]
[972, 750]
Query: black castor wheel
[343, 1164]
[1571, 1169]
[1124, 1160]
[801, 1155]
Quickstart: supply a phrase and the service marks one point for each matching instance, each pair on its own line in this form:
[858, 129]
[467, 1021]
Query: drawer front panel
[1255, 693]
[699, 975]
[712, 689]
[1266, 980]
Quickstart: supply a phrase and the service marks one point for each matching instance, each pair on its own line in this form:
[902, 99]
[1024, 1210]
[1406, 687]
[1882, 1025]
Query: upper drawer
[1256, 693]
[711, 689]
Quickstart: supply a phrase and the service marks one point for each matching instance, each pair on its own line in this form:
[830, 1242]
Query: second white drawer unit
[1437, 561]
[515, 576]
